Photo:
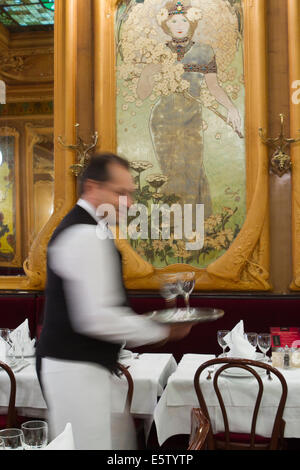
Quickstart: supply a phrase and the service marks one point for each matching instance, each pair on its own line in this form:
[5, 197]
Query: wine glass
[264, 343]
[186, 284]
[2, 445]
[13, 439]
[21, 344]
[252, 338]
[35, 434]
[220, 337]
[12, 345]
[4, 334]
[169, 288]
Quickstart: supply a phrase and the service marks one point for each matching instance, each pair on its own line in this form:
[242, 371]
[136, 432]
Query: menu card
[282, 336]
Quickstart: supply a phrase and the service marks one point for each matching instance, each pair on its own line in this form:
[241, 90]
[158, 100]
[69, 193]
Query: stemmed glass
[169, 288]
[12, 344]
[20, 341]
[35, 434]
[4, 334]
[220, 337]
[252, 338]
[264, 343]
[13, 439]
[186, 284]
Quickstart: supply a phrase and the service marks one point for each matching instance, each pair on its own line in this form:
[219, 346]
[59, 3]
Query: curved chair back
[11, 421]
[127, 374]
[248, 365]
[199, 430]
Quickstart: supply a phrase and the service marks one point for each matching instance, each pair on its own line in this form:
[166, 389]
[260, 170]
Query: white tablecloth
[172, 415]
[28, 391]
[150, 374]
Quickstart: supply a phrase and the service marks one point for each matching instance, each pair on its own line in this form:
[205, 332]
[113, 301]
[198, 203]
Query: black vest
[58, 339]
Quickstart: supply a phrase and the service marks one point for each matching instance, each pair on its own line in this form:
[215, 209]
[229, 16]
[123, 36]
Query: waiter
[87, 317]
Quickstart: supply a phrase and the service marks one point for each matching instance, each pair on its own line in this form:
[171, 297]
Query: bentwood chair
[9, 420]
[139, 423]
[124, 370]
[199, 430]
[238, 441]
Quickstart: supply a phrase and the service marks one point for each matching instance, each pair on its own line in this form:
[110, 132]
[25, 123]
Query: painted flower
[130, 99]
[157, 196]
[229, 88]
[158, 245]
[156, 180]
[162, 16]
[194, 14]
[181, 253]
[140, 165]
[228, 210]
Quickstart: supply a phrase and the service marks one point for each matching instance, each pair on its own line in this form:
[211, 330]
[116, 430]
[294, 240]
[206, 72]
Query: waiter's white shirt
[90, 267]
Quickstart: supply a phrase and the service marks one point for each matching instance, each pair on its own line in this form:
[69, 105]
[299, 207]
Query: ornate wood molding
[64, 121]
[26, 65]
[294, 74]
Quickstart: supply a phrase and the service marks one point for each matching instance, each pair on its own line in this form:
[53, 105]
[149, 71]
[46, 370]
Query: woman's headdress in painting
[179, 8]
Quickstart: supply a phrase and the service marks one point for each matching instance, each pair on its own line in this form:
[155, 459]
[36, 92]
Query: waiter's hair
[97, 168]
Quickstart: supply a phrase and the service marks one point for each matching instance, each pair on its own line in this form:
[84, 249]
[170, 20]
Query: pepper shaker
[286, 358]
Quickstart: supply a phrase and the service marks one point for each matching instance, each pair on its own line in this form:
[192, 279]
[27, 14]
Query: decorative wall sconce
[280, 162]
[82, 149]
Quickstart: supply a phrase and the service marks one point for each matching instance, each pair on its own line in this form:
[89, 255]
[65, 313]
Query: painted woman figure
[176, 123]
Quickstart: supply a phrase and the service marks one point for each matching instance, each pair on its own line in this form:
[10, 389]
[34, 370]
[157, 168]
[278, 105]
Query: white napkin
[64, 441]
[125, 357]
[125, 354]
[238, 344]
[28, 343]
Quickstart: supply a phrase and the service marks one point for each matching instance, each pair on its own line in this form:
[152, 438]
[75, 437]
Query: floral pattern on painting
[180, 109]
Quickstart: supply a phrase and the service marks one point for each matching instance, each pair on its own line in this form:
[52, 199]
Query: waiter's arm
[90, 269]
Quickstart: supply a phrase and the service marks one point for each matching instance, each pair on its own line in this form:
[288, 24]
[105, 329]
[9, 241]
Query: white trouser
[80, 393]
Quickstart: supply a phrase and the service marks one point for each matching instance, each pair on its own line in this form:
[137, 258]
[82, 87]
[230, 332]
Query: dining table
[172, 415]
[149, 371]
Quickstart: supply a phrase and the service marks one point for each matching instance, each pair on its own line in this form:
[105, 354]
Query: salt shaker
[286, 358]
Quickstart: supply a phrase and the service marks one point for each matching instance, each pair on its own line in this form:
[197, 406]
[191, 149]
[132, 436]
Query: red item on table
[282, 336]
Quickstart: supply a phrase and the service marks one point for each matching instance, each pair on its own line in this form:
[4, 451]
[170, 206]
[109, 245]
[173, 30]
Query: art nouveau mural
[180, 116]
[7, 198]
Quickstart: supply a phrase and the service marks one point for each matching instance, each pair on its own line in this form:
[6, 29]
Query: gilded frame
[8, 131]
[245, 266]
[65, 54]
[294, 74]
